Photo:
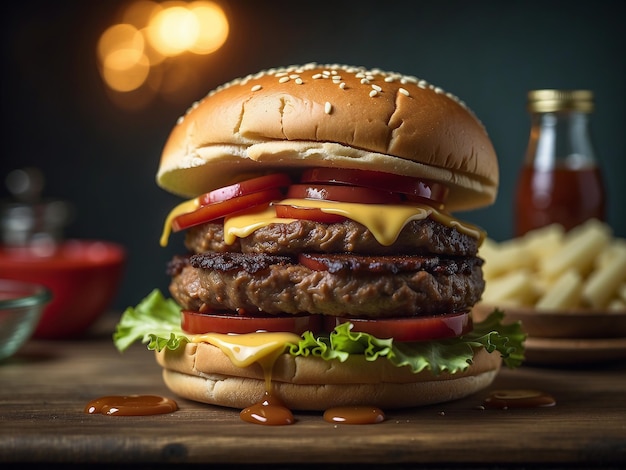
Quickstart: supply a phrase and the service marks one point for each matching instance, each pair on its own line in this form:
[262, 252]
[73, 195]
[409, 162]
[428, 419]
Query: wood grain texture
[44, 388]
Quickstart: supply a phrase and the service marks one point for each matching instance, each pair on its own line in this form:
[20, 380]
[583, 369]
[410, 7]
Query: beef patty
[417, 237]
[431, 269]
[276, 285]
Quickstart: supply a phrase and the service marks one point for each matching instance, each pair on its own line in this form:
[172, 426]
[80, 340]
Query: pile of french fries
[550, 269]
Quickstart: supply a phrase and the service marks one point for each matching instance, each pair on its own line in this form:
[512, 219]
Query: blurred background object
[21, 306]
[91, 90]
[82, 275]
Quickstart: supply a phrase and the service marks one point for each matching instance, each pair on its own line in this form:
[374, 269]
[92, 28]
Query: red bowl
[83, 276]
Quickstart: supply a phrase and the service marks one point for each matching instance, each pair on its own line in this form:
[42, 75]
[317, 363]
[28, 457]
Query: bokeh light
[173, 30]
[132, 53]
[214, 27]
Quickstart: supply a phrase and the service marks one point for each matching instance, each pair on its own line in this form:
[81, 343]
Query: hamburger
[322, 262]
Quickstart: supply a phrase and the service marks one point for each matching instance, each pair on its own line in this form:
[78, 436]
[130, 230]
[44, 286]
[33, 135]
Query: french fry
[552, 269]
[489, 252]
[514, 288]
[621, 292]
[607, 254]
[503, 257]
[563, 294]
[580, 248]
[616, 305]
[603, 283]
[543, 241]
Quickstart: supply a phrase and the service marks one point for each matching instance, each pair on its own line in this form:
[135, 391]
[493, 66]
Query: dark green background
[56, 114]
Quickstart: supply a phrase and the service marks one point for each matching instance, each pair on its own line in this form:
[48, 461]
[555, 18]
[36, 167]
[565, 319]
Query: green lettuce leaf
[156, 322]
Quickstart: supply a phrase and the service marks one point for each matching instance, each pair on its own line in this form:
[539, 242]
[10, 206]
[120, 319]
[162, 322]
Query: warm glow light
[118, 37]
[139, 13]
[213, 27]
[132, 55]
[124, 66]
[125, 69]
[173, 30]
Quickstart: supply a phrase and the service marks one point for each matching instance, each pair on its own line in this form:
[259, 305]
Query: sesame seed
[283, 79]
[377, 88]
[328, 108]
[299, 81]
[335, 71]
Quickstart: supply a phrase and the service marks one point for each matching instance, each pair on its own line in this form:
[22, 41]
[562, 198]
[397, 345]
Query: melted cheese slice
[246, 349]
[182, 208]
[385, 221]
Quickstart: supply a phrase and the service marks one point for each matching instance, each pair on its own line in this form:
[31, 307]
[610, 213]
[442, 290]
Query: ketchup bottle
[560, 180]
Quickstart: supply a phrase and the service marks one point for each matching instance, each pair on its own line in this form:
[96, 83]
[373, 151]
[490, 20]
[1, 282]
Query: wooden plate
[547, 351]
[569, 324]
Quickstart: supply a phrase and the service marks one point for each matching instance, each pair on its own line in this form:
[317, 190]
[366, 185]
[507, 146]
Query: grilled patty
[418, 237]
[431, 269]
[276, 286]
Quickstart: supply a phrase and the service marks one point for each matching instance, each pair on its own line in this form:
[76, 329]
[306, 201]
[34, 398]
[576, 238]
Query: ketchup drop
[505, 399]
[270, 411]
[354, 415]
[131, 405]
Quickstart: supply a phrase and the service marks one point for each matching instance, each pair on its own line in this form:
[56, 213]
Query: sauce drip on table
[131, 405]
[269, 411]
[354, 415]
[505, 399]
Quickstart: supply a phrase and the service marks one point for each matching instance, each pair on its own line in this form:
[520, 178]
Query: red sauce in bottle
[560, 181]
[561, 195]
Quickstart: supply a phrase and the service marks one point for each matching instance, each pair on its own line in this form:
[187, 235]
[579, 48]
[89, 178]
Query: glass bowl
[21, 307]
[83, 276]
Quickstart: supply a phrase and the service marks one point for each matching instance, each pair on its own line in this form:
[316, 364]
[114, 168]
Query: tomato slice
[342, 193]
[253, 185]
[288, 211]
[408, 329]
[220, 209]
[413, 187]
[199, 323]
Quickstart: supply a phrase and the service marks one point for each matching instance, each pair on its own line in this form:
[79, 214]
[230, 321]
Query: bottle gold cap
[546, 101]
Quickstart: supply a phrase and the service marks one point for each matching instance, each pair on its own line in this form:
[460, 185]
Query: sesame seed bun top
[331, 115]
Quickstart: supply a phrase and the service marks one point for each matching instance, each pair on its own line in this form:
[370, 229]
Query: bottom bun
[203, 373]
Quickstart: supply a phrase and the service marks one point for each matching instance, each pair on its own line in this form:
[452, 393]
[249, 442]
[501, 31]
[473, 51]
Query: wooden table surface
[44, 388]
